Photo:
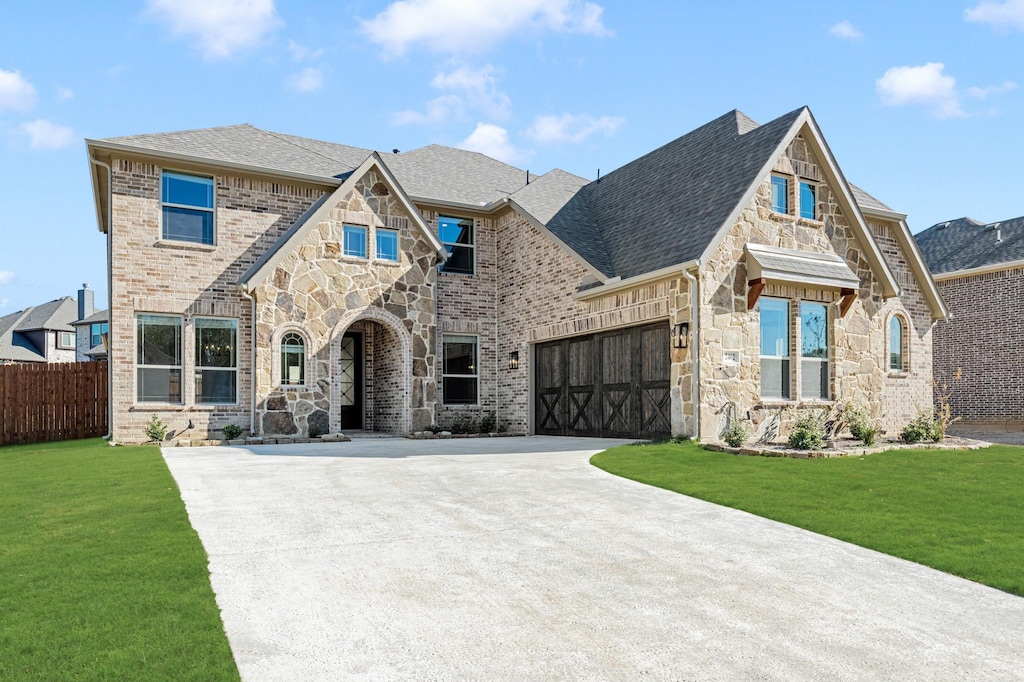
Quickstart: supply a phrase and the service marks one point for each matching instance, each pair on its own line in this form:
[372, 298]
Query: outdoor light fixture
[513, 360]
[681, 335]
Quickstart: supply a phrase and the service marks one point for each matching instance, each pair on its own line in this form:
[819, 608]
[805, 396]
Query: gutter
[980, 270]
[615, 284]
[695, 326]
[110, 289]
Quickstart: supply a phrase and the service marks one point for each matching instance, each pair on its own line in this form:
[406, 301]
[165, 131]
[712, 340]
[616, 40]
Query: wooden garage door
[614, 384]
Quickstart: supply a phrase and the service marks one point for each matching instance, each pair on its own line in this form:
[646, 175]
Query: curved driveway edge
[513, 558]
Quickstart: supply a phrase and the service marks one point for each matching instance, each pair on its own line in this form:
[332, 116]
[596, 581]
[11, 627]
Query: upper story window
[780, 194]
[814, 371]
[460, 373]
[216, 360]
[355, 241]
[897, 356]
[187, 202]
[158, 358]
[96, 333]
[457, 235]
[808, 200]
[66, 340]
[387, 244]
[293, 360]
[774, 348]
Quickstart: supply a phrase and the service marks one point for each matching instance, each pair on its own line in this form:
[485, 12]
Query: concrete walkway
[514, 559]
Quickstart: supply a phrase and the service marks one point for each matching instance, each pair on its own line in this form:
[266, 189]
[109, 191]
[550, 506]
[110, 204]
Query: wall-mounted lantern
[513, 360]
[681, 335]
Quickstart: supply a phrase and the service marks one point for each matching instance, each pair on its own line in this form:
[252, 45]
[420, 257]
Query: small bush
[156, 430]
[232, 431]
[808, 432]
[736, 435]
[921, 428]
[488, 422]
[464, 423]
[315, 431]
[861, 426]
[433, 428]
[868, 434]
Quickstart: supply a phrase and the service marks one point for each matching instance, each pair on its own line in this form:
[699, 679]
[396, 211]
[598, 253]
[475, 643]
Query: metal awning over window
[821, 270]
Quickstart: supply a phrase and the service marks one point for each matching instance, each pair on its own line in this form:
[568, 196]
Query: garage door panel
[613, 384]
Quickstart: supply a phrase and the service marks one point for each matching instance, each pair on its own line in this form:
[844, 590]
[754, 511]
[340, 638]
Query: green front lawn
[957, 511]
[101, 575]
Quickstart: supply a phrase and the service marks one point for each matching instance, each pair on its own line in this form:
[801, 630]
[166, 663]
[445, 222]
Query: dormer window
[187, 203]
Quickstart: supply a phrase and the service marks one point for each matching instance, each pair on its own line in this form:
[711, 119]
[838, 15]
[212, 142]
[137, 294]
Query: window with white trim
[387, 244]
[66, 340]
[780, 194]
[897, 351]
[460, 373]
[808, 200]
[96, 333]
[293, 360]
[774, 347]
[459, 239]
[216, 360]
[355, 241]
[187, 203]
[814, 368]
[158, 358]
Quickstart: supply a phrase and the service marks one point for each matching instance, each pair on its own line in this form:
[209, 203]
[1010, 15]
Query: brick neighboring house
[287, 284]
[41, 333]
[90, 327]
[979, 269]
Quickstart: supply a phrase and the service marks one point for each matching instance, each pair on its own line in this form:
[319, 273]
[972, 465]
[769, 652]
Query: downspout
[252, 361]
[695, 326]
[110, 293]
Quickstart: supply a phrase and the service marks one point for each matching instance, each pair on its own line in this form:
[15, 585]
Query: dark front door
[614, 384]
[350, 379]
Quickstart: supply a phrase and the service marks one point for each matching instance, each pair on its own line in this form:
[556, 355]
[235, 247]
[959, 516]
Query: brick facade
[982, 340]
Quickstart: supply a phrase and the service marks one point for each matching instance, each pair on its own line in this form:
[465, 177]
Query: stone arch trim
[275, 357]
[392, 322]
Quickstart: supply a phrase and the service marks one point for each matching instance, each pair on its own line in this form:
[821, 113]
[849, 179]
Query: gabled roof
[319, 210]
[53, 316]
[97, 317]
[966, 244]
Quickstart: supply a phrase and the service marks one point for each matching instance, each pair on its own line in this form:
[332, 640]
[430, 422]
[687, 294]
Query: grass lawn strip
[958, 511]
[102, 576]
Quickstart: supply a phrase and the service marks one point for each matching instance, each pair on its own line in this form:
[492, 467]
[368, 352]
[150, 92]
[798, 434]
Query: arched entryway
[371, 373]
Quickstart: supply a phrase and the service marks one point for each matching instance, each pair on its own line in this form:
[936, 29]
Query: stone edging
[429, 435]
[848, 451]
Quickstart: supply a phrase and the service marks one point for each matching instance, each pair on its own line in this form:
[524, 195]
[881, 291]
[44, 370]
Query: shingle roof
[15, 346]
[57, 315]
[665, 207]
[966, 243]
[866, 201]
[98, 316]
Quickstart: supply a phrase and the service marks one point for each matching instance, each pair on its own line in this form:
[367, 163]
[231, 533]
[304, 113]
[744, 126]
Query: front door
[350, 378]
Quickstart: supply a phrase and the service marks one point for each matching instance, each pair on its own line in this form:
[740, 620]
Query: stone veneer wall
[320, 292]
[858, 342]
[982, 339]
[150, 275]
[536, 283]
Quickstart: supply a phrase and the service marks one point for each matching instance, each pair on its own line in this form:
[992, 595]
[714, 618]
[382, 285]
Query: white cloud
[985, 93]
[570, 128]
[64, 94]
[307, 80]
[926, 85]
[301, 53]
[1002, 16]
[461, 26]
[47, 135]
[16, 93]
[221, 27]
[4, 302]
[472, 90]
[6, 277]
[846, 30]
[493, 141]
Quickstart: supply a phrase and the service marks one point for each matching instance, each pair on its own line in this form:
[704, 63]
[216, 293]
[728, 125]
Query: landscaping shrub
[232, 431]
[315, 431]
[736, 435]
[861, 426]
[464, 423]
[156, 430]
[868, 434]
[808, 432]
[488, 422]
[921, 428]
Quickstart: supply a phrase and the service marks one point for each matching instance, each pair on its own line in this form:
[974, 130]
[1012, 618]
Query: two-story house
[287, 285]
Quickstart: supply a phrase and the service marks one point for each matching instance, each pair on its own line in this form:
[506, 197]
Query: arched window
[293, 360]
[897, 352]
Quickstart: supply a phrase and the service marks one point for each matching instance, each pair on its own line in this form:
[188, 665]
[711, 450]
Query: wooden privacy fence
[41, 403]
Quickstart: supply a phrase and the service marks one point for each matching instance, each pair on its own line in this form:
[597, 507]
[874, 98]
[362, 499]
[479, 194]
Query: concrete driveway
[514, 559]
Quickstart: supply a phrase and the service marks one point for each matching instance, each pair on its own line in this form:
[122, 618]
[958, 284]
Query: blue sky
[921, 102]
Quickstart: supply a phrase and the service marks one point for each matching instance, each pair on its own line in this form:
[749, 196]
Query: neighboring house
[41, 333]
[287, 284]
[90, 328]
[979, 269]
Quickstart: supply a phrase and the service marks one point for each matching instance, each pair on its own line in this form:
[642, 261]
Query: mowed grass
[101, 575]
[958, 511]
